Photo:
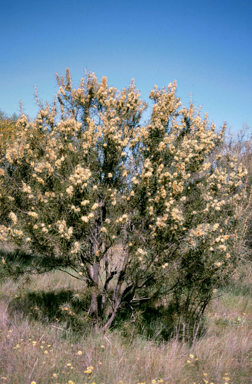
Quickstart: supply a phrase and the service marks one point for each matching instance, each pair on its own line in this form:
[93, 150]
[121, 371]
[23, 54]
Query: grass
[39, 344]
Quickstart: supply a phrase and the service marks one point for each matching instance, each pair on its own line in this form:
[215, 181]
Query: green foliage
[136, 212]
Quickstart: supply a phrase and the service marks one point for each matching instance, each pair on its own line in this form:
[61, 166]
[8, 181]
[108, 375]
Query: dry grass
[46, 352]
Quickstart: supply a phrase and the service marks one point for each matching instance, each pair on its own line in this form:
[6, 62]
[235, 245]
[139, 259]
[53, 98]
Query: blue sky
[206, 45]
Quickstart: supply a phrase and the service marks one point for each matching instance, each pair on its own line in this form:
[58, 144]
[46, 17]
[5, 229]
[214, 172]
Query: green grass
[41, 341]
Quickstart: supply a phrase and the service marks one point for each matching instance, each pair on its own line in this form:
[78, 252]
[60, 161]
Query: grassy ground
[36, 346]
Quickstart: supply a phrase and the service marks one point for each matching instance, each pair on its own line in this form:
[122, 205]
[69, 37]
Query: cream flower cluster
[80, 175]
[13, 217]
[64, 231]
[76, 247]
[4, 233]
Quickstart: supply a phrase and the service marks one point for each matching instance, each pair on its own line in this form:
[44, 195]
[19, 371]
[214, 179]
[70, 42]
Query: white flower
[33, 214]
[85, 219]
[70, 190]
[84, 202]
[18, 233]
[13, 217]
[218, 264]
[76, 247]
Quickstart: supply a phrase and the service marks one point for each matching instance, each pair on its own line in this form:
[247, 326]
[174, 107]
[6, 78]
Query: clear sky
[206, 45]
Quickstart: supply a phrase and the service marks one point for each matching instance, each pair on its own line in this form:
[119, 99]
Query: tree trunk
[95, 304]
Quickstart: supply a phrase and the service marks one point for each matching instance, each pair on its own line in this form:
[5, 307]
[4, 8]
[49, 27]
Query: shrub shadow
[160, 323]
[50, 307]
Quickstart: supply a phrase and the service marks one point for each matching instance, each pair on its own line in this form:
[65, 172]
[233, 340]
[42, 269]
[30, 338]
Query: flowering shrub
[135, 211]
